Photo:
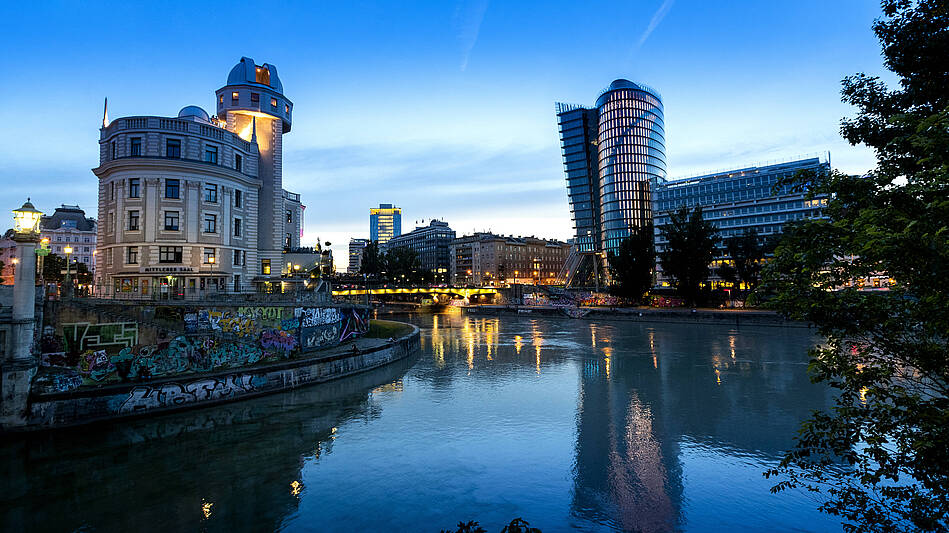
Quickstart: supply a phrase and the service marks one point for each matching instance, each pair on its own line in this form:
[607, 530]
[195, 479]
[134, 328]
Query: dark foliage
[633, 264]
[689, 250]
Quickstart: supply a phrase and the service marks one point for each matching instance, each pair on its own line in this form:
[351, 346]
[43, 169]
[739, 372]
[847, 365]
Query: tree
[887, 355]
[632, 265]
[53, 268]
[402, 263]
[747, 252]
[689, 250]
[373, 262]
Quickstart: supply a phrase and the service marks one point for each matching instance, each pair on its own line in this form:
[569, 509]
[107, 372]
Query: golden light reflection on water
[296, 488]
[518, 341]
[206, 509]
[607, 353]
[537, 341]
[731, 345]
[593, 335]
[652, 348]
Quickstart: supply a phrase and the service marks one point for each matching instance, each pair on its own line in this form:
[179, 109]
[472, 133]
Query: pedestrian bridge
[453, 292]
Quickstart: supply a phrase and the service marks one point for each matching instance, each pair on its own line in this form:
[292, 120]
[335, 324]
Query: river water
[570, 424]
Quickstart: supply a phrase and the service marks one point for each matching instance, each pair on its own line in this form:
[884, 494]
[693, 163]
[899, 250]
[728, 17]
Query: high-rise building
[356, 247]
[612, 153]
[385, 222]
[196, 203]
[432, 243]
[742, 199]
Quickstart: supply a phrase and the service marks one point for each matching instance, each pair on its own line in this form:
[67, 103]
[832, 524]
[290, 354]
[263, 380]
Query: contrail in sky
[656, 19]
[468, 17]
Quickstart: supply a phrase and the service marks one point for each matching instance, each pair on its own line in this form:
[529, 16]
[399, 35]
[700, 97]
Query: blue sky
[445, 109]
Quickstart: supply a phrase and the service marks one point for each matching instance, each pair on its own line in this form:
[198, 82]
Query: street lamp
[211, 261]
[68, 281]
[26, 225]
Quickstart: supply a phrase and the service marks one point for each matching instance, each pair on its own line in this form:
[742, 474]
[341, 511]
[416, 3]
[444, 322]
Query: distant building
[489, 259]
[741, 199]
[385, 222]
[68, 226]
[196, 203]
[432, 243]
[611, 154]
[356, 247]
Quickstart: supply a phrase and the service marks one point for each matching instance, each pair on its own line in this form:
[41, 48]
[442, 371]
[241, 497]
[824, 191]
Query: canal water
[570, 424]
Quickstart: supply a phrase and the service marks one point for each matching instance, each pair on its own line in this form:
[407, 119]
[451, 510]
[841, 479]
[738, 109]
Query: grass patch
[383, 329]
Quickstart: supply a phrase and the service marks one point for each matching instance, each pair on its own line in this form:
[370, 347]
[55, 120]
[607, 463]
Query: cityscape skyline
[466, 131]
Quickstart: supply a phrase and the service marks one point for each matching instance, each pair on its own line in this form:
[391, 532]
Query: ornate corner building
[195, 203]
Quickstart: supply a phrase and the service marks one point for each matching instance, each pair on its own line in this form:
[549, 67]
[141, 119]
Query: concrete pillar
[18, 370]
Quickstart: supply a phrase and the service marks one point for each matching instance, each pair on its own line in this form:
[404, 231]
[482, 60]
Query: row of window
[174, 255]
[173, 191]
[173, 151]
[254, 100]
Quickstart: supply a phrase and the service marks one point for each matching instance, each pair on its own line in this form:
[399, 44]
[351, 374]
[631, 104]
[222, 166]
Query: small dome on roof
[194, 111]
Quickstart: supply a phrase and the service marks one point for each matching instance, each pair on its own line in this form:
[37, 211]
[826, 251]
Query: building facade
[356, 247]
[69, 226]
[611, 153]
[488, 259]
[385, 222]
[196, 203]
[740, 200]
[432, 243]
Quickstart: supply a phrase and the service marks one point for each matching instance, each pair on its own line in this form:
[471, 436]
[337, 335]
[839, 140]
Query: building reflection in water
[224, 468]
[655, 388]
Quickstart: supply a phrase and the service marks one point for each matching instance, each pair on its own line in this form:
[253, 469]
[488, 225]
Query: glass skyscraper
[611, 154]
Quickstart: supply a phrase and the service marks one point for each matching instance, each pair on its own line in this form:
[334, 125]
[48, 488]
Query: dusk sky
[444, 109]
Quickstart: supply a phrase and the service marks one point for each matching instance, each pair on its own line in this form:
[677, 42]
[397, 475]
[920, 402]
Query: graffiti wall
[210, 339]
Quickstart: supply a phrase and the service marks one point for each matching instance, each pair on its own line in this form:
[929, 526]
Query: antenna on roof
[105, 113]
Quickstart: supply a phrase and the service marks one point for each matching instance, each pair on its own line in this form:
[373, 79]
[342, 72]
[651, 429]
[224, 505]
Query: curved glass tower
[631, 155]
[612, 154]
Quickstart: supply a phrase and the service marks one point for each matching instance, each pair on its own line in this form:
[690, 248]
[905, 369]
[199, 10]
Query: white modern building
[196, 203]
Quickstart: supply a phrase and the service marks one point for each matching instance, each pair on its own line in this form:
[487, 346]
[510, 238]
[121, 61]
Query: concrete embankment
[116, 401]
[688, 316]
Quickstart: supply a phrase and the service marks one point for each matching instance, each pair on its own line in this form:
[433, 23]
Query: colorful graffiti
[213, 339]
[174, 394]
[81, 336]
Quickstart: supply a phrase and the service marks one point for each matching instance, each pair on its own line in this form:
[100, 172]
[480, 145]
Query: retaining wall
[109, 402]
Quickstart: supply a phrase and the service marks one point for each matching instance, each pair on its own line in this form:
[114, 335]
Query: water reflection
[235, 467]
[571, 424]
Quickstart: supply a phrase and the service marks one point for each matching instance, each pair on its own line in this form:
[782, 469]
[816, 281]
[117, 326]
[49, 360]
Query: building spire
[105, 113]
[253, 130]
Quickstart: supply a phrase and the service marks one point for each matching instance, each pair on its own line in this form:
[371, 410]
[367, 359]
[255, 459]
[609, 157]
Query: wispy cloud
[467, 22]
[656, 19]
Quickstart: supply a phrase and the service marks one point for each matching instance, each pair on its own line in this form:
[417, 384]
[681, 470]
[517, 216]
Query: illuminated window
[265, 267]
[273, 103]
[286, 109]
[262, 75]
[235, 98]
[220, 100]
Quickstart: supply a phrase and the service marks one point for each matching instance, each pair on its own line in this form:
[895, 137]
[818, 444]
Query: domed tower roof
[626, 84]
[195, 112]
[255, 90]
[246, 71]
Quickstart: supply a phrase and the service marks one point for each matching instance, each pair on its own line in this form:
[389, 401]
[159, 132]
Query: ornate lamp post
[68, 281]
[18, 369]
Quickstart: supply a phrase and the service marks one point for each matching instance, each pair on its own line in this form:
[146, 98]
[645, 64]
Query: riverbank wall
[124, 400]
[682, 316]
